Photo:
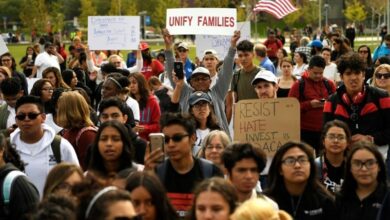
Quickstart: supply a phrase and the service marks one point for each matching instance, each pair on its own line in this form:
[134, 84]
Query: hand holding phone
[178, 69]
[157, 142]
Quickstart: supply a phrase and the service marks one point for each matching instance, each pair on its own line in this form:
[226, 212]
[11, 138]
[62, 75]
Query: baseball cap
[265, 75]
[316, 43]
[197, 97]
[200, 70]
[144, 46]
[210, 52]
[183, 45]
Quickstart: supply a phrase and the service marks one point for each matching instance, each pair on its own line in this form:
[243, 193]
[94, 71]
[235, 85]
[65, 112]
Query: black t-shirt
[180, 186]
[335, 173]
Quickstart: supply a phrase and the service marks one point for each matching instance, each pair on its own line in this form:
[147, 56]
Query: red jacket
[311, 118]
[150, 118]
[152, 69]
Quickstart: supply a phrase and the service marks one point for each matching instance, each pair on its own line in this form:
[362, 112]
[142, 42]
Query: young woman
[287, 79]
[44, 90]
[300, 66]
[163, 94]
[73, 114]
[5, 73]
[54, 75]
[293, 184]
[70, 78]
[214, 198]
[381, 77]
[364, 187]
[111, 150]
[61, 179]
[8, 61]
[336, 138]
[202, 110]
[149, 197]
[340, 48]
[280, 55]
[148, 105]
[364, 52]
[259, 209]
[27, 61]
[213, 145]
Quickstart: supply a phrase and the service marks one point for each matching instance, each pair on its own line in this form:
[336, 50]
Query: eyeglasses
[358, 164]
[175, 138]
[363, 51]
[199, 105]
[384, 75]
[182, 50]
[30, 115]
[334, 137]
[197, 79]
[291, 161]
[217, 147]
[48, 89]
[6, 60]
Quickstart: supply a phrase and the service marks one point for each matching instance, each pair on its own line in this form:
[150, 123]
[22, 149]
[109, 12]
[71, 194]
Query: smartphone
[178, 69]
[156, 142]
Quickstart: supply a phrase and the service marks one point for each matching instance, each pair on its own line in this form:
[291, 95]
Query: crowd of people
[77, 144]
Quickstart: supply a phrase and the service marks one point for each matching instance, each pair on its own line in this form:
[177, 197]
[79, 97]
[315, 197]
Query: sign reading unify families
[113, 32]
[267, 123]
[211, 21]
[220, 43]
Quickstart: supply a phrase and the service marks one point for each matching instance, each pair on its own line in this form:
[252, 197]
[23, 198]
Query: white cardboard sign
[215, 21]
[3, 47]
[113, 32]
[219, 43]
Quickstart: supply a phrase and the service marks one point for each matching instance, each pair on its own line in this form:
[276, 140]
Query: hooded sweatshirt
[39, 157]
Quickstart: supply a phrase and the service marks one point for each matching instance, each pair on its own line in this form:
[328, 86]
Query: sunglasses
[30, 115]
[384, 75]
[175, 138]
[182, 50]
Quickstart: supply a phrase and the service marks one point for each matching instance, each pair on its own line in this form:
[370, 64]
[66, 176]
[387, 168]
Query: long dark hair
[212, 121]
[339, 124]
[276, 180]
[96, 161]
[10, 154]
[349, 185]
[164, 209]
[37, 87]
[143, 89]
[369, 58]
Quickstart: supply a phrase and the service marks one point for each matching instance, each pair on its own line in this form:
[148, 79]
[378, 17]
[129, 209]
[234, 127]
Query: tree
[57, 16]
[355, 11]
[34, 16]
[87, 9]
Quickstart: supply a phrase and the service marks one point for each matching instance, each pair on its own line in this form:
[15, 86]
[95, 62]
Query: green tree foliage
[56, 16]
[34, 15]
[87, 9]
[159, 16]
[355, 11]
[10, 9]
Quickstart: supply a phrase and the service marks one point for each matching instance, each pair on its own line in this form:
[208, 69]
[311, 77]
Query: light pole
[143, 14]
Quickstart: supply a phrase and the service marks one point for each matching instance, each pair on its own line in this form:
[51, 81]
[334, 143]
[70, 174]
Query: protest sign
[267, 123]
[3, 47]
[215, 21]
[113, 32]
[220, 43]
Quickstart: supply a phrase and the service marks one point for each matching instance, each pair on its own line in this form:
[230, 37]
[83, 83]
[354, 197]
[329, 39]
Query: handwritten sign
[113, 32]
[3, 47]
[220, 43]
[267, 123]
[219, 21]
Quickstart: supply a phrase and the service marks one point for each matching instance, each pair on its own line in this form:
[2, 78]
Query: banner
[267, 123]
[219, 43]
[113, 32]
[215, 21]
[3, 47]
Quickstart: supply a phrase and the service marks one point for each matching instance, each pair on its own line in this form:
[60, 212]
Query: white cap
[265, 75]
[183, 45]
[200, 70]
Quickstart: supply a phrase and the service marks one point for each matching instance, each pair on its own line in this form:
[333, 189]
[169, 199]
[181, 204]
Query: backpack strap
[56, 148]
[236, 77]
[327, 86]
[207, 168]
[89, 128]
[7, 184]
[301, 89]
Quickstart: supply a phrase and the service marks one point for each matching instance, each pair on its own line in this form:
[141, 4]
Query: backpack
[302, 87]
[7, 187]
[205, 165]
[56, 148]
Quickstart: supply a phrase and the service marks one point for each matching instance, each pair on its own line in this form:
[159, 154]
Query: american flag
[278, 8]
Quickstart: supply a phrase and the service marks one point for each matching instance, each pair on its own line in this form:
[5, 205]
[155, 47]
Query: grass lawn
[19, 50]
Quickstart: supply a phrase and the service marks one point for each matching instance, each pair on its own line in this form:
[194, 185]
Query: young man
[244, 163]
[201, 80]
[49, 58]
[330, 71]
[312, 91]
[265, 84]
[115, 109]
[273, 45]
[364, 108]
[11, 89]
[34, 141]
[188, 65]
[182, 172]
[210, 61]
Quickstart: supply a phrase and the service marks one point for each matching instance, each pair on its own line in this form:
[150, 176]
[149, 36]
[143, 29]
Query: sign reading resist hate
[267, 123]
[210, 21]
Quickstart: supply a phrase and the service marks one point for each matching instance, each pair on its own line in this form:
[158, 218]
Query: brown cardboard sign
[267, 123]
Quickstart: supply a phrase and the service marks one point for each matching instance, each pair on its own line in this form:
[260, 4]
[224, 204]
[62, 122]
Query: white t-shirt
[331, 72]
[133, 104]
[200, 135]
[45, 60]
[11, 116]
[298, 71]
